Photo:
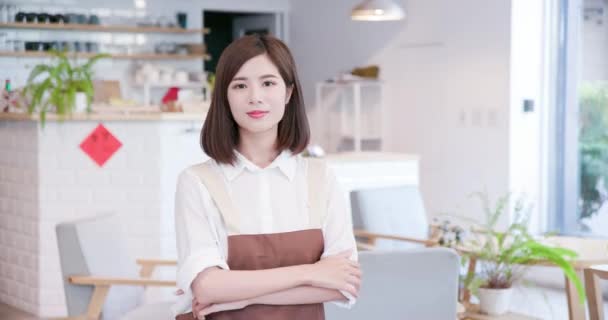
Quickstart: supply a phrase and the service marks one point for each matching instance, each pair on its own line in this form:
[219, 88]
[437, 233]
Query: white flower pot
[494, 302]
[80, 103]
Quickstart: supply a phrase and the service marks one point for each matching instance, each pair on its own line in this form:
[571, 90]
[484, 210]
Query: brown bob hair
[220, 132]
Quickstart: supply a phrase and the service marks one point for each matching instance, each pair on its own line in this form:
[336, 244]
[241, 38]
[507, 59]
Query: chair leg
[146, 270]
[96, 303]
[594, 295]
[576, 310]
[466, 294]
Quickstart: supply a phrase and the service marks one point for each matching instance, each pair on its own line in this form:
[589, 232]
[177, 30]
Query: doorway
[228, 26]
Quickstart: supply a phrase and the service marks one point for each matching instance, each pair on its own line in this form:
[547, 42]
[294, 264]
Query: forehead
[257, 66]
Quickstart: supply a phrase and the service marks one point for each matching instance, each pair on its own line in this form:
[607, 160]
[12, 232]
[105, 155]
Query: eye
[239, 86]
[268, 83]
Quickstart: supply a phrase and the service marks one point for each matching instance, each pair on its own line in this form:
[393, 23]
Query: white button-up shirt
[268, 200]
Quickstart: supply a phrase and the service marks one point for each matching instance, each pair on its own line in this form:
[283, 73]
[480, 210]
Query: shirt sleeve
[338, 229]
[198, 247]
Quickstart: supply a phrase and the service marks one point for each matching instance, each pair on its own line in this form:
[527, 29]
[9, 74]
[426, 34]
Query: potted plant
[505, 255]
[61, 86]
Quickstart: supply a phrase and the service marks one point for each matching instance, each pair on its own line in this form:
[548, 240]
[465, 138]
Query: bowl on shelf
[194, 48]
[20, 17]
[30, 17]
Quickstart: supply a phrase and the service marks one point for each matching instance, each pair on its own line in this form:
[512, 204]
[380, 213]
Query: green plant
[53, 87]
[504, 255]
[593, 147]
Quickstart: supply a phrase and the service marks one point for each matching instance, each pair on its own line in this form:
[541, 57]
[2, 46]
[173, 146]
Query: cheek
[235, 101]
[278, 97]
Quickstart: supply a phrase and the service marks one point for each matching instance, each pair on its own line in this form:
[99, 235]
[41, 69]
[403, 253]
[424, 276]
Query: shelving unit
[140, 56]
[147, 86]
[104, 34]
[100, 28]
[105, 28]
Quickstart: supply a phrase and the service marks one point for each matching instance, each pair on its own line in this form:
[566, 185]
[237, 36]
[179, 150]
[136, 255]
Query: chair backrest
[397, 210]
[404, 284]
[97, 246]
[594, 277]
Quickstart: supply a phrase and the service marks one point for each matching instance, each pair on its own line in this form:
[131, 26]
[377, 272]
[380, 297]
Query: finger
[355, 264]
[208, 310]
[196, 306]
[351, 289]
[196, 316]
[356, 272]
[356, 282]
[178, 292]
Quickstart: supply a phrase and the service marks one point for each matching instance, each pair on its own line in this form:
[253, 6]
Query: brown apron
[266, 251]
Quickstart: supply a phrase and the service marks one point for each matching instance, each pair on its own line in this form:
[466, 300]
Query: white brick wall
[19, 215]
[45, 179]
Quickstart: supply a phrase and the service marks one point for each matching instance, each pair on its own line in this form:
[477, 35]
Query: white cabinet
[349, 115]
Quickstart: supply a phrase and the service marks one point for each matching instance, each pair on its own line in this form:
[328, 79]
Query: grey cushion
[404, 284]
[160, 311]
[395, 210]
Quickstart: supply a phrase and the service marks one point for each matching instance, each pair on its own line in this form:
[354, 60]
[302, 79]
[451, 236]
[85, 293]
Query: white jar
[80, 103]
[11, 11]
[3, 13]
[181, 77]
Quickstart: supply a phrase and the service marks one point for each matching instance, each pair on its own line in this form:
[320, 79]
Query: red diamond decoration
[100, 145]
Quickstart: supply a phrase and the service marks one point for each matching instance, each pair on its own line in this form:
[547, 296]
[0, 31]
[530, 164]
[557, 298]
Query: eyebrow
[262, 77]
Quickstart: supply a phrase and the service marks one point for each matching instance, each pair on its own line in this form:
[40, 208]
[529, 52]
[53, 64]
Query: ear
[288, 94]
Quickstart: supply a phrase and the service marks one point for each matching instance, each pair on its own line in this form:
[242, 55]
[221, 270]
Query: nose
[254, 96]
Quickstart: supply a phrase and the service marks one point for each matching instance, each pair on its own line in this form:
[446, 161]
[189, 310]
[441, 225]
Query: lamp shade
[377, 10]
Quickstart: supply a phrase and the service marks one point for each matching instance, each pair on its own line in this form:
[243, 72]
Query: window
[578, 188]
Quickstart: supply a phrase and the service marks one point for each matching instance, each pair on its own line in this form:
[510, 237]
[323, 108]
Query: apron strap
[217, 189]
[317, 193]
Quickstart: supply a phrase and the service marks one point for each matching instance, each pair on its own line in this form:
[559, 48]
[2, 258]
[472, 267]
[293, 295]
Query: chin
[259, 128]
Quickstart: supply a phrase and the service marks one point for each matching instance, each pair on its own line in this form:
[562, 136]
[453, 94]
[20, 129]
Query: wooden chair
[100, 280]
[593, 289]
[390, 218]
[366, 240]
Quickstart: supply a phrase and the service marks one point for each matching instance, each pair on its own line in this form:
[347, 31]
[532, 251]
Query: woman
[262, 233]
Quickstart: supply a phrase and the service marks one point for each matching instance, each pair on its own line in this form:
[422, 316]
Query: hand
[197, 309]
[196, 306]
[236, 305]
[337, 272]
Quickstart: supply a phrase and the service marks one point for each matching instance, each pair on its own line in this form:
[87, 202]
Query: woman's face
[257, 96]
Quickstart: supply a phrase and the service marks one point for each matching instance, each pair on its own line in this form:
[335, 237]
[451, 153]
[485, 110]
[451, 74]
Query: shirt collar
[285, 161]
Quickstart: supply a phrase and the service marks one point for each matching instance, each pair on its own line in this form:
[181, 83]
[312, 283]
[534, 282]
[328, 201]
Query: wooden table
[508, 316]
[472, 313]
[590, 252]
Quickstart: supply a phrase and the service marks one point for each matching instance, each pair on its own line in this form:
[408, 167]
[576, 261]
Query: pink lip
[256, 114]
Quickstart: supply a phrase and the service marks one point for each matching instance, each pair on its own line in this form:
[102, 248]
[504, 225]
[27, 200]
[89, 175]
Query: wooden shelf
[100, 28]
[141, 56]
[194, 85]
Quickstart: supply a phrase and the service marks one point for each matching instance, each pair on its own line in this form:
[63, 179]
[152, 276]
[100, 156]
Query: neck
[259, 148]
